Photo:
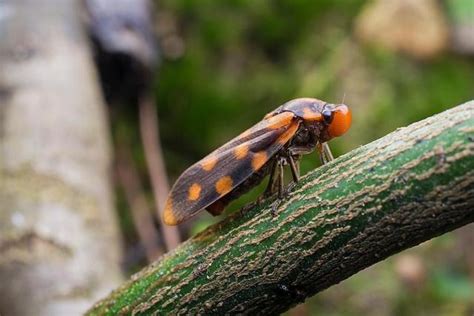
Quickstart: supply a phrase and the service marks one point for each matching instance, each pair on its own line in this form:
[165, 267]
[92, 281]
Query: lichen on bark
[407, 187]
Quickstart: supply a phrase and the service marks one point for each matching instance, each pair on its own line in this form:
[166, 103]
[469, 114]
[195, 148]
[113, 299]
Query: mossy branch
[407, 187]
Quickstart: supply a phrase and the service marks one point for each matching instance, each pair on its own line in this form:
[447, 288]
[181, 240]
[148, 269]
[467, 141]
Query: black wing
[225, 168]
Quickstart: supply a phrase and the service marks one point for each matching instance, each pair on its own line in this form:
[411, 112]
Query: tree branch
[394, 193]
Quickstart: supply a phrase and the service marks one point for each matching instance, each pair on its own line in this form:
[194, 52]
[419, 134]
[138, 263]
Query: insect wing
[225, 168]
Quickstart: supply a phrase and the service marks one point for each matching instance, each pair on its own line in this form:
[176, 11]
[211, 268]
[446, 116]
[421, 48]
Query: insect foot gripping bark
[294, 129]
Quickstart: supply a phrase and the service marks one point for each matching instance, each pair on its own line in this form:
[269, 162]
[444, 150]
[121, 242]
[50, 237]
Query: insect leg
[327, 152]
[272, 180]
[295, 153]
[269, 190]
[321, 154]
[281, 190]
[280, 178]
[300, 150]
[294, 170]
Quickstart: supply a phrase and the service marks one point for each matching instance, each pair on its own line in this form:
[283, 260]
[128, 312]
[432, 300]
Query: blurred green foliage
[243, 58]
[461, 11]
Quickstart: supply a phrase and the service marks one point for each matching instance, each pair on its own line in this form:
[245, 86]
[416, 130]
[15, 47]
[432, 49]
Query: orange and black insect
[294, 129]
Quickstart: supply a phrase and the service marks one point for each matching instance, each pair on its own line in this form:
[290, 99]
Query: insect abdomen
[255, 179]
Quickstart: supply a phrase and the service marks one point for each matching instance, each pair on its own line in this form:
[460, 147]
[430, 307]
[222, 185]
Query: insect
[294, 129]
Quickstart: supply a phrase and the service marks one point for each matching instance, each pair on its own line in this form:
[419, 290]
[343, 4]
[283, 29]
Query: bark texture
[59, 243]
[407, 187]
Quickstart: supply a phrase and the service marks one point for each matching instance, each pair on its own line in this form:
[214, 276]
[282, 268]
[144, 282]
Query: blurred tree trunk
[59, 242]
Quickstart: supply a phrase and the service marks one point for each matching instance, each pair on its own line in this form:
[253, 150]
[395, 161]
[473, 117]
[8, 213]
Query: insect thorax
[309, 134]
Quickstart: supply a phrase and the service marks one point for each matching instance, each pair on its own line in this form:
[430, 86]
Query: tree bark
[59, 242]
[394, 193]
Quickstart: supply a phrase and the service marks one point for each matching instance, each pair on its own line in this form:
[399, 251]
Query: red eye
[341, 121]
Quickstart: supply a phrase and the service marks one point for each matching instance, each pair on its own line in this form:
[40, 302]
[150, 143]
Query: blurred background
[217, 67]
[225, 64]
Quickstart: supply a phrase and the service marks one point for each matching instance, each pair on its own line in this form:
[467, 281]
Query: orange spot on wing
[310, 115]
[208, 163]
[286, 136]
[280, 120]
[258, 160]
[168, 214]
[224, 185]
[194, 192]
[241, 151]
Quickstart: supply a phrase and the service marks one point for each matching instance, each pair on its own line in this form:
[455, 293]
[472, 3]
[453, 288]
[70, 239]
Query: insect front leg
[325, 153]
